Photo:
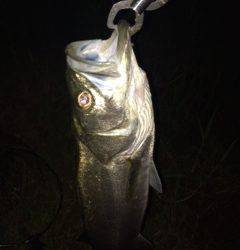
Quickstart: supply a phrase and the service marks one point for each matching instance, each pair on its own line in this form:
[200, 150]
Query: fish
[113, 122]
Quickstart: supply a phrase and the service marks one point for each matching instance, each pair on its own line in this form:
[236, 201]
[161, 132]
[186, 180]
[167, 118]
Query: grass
[200, 187]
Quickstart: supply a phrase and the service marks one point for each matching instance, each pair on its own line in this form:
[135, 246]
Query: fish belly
[113, 198]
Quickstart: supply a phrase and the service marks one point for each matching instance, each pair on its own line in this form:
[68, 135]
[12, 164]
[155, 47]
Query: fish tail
[140, 243]
[85, 241]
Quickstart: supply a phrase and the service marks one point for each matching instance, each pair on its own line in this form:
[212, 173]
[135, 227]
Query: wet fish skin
[115, 139]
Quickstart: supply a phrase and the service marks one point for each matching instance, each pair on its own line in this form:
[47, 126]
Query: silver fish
[114, 124]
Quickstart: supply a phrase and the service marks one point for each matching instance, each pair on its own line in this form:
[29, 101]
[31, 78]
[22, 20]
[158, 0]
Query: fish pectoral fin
[140, 243]
[154, 178]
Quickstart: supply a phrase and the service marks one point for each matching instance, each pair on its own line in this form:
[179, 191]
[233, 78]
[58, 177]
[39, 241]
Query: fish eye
[85, 100]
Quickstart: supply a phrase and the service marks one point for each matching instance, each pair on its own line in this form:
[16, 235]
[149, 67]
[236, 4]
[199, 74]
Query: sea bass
[114, 124]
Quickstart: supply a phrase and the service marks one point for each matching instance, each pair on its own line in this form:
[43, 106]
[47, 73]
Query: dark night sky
[52, 24]
[191, 43]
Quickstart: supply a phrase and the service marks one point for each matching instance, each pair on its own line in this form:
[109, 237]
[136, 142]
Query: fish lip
[82, 58]
[78, 63]
[72, 48]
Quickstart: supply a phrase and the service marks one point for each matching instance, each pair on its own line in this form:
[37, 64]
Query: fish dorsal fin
[154, 178]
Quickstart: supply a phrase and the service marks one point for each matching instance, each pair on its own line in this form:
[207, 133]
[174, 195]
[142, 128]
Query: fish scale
[115, 135]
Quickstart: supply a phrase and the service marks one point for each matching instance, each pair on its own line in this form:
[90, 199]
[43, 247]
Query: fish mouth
[82, 58]
[88, 64]
[98, 56]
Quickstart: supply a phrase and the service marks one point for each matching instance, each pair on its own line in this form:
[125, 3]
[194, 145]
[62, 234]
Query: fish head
[96, 108]
[108, 89]
[98, 78]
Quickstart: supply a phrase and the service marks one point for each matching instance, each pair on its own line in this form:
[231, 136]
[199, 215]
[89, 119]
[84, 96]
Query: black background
[189, 49]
